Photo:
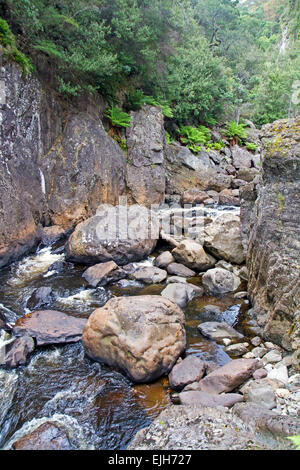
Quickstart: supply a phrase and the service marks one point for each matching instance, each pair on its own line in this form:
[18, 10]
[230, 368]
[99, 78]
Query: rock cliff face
[273, 238]
[57, 164]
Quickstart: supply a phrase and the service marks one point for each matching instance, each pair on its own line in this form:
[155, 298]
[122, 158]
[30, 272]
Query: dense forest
[203, 61]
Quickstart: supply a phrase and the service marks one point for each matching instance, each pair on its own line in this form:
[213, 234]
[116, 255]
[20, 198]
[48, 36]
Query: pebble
[259, 351]
[256, 341]
[227, 341]
[282, 393]
[249, 355]
[272, 357]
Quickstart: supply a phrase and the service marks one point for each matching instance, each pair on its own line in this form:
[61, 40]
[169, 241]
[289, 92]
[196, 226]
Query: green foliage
[296, 441]
[201, 61]
[118, 118]
[216, 146]
[137, 99]
[234, 130]
[10, 50]
[194, 138]
[169, 139]
[251, 146]
[197, 83]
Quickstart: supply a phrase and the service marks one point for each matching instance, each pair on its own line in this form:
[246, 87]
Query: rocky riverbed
[185, 302]
[58, 390]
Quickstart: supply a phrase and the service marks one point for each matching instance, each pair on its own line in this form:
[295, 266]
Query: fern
[50, 48]
[234, 130]
[118, 118]
[195, 138]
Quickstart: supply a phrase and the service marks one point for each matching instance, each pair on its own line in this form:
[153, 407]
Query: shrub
[11, 51]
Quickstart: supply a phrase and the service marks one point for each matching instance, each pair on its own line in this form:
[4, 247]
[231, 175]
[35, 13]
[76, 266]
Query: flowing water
[99, 407]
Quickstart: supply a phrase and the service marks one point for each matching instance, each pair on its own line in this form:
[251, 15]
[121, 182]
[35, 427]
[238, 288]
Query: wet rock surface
[48, 436]
[17, 353]
[50, 327]
[103, 273]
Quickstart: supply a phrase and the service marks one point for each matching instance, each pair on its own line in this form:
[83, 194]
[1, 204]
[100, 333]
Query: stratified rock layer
[273, 238]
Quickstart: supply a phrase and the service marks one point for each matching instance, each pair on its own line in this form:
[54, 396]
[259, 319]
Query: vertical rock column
[274, 236]
[146, 179]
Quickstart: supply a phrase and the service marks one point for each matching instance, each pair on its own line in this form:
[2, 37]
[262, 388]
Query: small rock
[220, 281]
[249, 355]
[260, 392]
[100, 274]
[226, 341]
[50, 327]
[256, 341]
[190, 370]
[272, 357]
[280, 373]
[177, 269]
[259, 351]
[218, 331]
[176, 280]
[163, 260]
[260, 374]
[282, 393]
[209, 400]
[150, 275]
[181, 293]
[48, 436]
[229, 377]
[18, 352]
[237, 350]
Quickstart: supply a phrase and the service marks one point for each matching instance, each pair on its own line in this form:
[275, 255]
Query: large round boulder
[116, 233]
[220, 281]
[142, 336]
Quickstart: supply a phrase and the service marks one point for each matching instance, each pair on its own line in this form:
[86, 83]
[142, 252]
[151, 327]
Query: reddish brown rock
[232, 375]
[142, 336]
[50, 327]
[194, 196]
[18, 352]
[48, 436]
[188, 371]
